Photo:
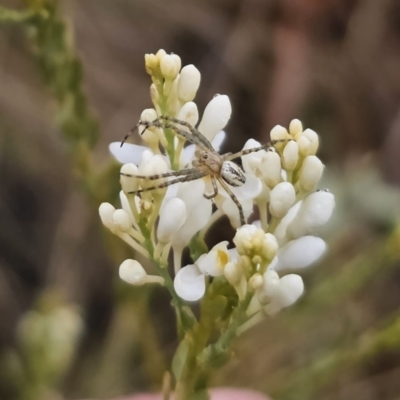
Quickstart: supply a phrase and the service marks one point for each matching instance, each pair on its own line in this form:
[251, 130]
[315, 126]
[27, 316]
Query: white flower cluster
[281, 181]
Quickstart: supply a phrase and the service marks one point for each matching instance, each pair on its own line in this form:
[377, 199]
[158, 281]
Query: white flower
[189, 282]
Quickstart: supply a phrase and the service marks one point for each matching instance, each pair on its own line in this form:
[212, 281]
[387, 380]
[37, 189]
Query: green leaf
[180, 358]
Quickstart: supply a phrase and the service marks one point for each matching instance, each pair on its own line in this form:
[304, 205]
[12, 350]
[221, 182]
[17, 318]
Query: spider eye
[205, 156]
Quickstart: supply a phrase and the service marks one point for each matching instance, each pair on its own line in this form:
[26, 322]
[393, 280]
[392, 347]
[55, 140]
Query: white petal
[189, 283]
[218, 140]
[300, 253]
[172, 218]
[291, 287]
[195, 221]
[271, 283]
[191, 193]
[215, 116]
[251, 188]
[315, 210]
[213, 263]
[281, 230]
[187, 155]
[189, 113]
[128, 153]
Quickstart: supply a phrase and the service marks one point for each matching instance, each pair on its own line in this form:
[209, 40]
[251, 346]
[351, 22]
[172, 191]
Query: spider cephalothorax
[207, 162]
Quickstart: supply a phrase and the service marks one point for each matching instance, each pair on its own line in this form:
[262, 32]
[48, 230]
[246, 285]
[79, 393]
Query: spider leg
[179, 132]
[235, 200]
[188, 171]
[254, 149]
[130, 133]
[186, 178]
[191, 128]
[215, 190]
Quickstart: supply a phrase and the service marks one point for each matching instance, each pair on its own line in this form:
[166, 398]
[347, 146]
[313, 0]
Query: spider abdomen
[232, 174]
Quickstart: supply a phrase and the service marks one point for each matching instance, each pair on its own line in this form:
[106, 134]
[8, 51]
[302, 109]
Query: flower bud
[122, 220]
[154, 95]
[243, 238]
[169, 66]
[232, 273]
[304, 146]
[151, 63]
[295, 128]
[256, 281]
[278, 133]
[270, 246]
[188, 83]
[215, 117]
[270, 283]
[271, 168]
[290, 156]
[315, 211]
[310, 173]
[189, 113]
[106, 211]
[313, 138]
[160, 54]
[128, 180]
[282, 197]
[132, 272]
[148, 114]
[172, 218]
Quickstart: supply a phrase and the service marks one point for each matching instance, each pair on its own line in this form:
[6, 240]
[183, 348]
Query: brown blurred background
[335, 64]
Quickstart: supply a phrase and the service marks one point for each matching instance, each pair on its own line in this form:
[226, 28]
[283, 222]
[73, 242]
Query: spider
[207, 161]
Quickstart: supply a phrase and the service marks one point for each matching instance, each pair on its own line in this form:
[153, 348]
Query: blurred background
[72, 80]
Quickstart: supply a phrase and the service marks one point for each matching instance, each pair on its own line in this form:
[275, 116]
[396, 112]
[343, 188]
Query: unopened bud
[189, 113]
[270, 247]
[132, 272]
[129, 182]
[160, 54]
[188, 83]
[215, 117]
[313, 138]
[256, 281]
[106, 211]
[122, 220]
[169, 66]
[290, 156]
[271, 168]
[282, 197]
[295, 128]
[310, 173]
[304, 146]
[278, 132]
[151, 63]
